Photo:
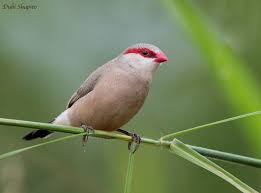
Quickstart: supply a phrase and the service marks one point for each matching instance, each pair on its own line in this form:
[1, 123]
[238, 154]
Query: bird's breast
[116, 99]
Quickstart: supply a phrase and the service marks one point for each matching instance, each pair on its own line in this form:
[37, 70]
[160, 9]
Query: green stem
[103, 134]
[8, 154]
[76, 130]
[186, 131]
[214, 154]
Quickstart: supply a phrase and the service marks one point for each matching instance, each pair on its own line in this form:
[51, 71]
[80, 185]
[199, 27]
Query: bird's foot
[88, 130]
[134, 144]
[135, 140]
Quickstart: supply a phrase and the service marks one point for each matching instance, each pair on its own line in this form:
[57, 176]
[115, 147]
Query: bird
[112, 94]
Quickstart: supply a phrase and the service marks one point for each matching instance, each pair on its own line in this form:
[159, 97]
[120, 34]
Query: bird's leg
[88, 130]
[135, 140]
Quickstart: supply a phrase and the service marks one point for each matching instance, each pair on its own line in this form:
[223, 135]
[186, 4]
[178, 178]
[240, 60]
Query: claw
[88, 130]
[134, 143]
[135, 140]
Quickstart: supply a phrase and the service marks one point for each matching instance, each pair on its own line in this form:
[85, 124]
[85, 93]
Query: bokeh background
[45, 54]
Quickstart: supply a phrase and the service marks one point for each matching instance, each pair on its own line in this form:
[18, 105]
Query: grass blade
[186, 131]
[129, 172]
[189, 154]
[15, 152]
[238, 82]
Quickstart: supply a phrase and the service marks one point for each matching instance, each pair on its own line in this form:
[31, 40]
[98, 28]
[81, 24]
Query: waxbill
[113, 93]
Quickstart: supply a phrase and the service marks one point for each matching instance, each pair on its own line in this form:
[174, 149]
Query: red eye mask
[145, 52]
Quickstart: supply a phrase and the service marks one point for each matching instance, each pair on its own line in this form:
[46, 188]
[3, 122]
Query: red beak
[161, 57]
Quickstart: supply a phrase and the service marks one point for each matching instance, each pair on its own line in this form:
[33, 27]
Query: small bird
[112, 94]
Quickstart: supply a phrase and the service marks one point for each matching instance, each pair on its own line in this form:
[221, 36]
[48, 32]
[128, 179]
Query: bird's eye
[144, 52]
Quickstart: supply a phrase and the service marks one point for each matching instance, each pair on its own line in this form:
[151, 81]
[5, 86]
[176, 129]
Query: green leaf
[130, 167]
[233, 74]
[189, 154]
[15, 152]
[190, 130]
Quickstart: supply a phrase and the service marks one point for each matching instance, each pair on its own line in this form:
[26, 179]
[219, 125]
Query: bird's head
[145, 58]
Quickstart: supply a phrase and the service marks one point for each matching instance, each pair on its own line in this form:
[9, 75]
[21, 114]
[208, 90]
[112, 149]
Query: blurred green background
[45, 54]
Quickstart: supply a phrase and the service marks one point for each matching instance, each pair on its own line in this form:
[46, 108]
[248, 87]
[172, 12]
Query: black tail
[40, 133]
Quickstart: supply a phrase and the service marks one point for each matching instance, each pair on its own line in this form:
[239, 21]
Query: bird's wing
[88, 85]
